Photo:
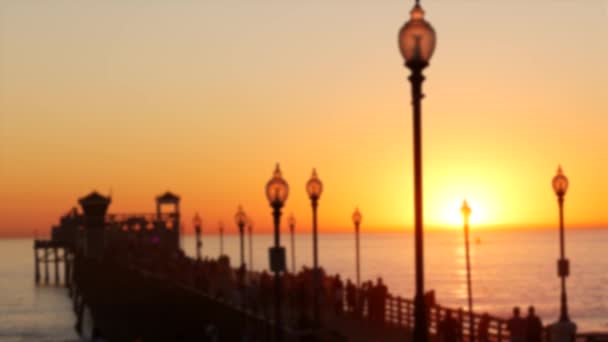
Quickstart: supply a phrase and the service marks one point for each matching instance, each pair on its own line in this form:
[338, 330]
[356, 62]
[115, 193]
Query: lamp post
[314, 187]
[292, 226]
[357, 221]
[417, 44]
[560, 186]
[241, 219]
[277, 191]
[250, 235]
[221, 239]
[198, 223]
[466, 212]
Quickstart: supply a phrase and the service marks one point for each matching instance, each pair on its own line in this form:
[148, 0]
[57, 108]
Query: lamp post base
[562, 331]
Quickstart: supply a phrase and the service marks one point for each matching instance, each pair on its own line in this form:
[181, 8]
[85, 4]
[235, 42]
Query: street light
[357, 221]
[197, 222]
[314, 187]
[466, 213]
[250, 234]
[417, 43]
[241, 219]
[221, 239]
[292, 226]
[277, 191]
[560, 186]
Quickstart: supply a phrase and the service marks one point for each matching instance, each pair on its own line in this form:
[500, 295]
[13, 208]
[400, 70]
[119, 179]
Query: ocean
[509, 268]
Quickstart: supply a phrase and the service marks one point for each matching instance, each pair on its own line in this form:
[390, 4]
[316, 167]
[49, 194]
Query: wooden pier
[49, 253]
[129, 272]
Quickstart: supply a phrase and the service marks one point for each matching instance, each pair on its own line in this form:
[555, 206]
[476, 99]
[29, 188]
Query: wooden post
[66, 268]
[499, 331]
[461, 320]
[399, 316]
[46, 265]
[56, 259]
[437, 318]
[408, 314]
[36, 265]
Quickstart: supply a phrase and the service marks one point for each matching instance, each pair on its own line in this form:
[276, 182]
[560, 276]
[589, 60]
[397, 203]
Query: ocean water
[509, 267]
[516, 267]
[29, 312]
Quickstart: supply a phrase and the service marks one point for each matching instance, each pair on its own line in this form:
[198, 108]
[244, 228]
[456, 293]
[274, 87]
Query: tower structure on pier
[94, 207]
[170, 220]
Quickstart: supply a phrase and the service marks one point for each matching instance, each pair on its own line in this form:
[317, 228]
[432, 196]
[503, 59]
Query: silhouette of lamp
[466, 213]
[417, 41]
[250, 225]
[314, 187]
[357, 217]
[277, 191]
[221, 229]
[292, 226]
[560, 186]
[198, 223]
[241, 220]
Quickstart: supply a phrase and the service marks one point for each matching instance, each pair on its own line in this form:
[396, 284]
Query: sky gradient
[203, 98]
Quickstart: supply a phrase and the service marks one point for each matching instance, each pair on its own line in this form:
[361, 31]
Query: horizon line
[395, 230]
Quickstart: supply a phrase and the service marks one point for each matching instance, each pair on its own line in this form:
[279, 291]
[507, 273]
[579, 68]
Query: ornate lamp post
[292, 226]
[277, 191]
[198, 223]
[241, 219]
[221, 239]
[357, 221]
[560, 186]
[314, 187]
[466, 212]
[417, 44]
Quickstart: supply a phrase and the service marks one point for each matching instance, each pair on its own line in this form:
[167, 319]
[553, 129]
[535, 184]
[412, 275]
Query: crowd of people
[521, 329]
[255, 291]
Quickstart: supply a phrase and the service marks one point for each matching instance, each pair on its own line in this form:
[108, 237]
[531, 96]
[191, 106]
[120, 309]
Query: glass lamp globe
[314, 187]
[277, 189]
[292, 220]
[417, 38]
[240, 218]
[560, 183]
[465, 209]
[357, 217]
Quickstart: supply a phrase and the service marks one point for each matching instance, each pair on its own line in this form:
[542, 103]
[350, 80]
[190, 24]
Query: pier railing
[400, 312]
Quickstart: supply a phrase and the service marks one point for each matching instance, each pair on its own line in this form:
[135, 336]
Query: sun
[450, 216]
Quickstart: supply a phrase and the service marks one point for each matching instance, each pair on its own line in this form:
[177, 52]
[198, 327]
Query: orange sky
[203, 98]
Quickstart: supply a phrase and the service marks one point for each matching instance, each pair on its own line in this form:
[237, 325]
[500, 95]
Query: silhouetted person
[517, 326]
[351, 296]
[338, 296]
[366, 294]
[449, 328]
[483, 328]
[429, 299]
[534, 327]
[381, 294]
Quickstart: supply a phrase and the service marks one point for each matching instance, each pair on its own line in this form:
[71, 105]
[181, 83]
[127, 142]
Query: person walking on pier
[449, 328]
[534, 326]
[517, 326]
[483, 329]
[351, 296]
[381, 294]
[338, 289]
